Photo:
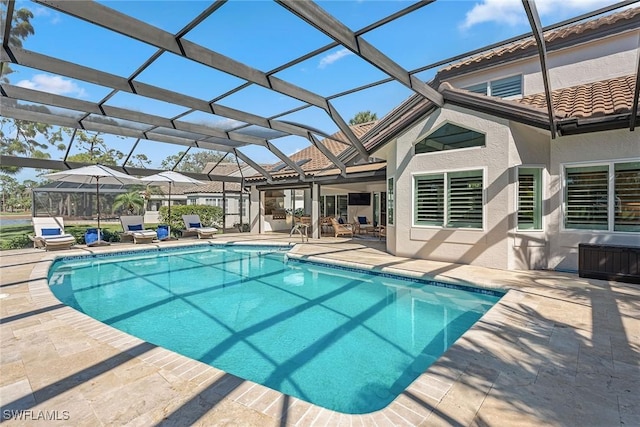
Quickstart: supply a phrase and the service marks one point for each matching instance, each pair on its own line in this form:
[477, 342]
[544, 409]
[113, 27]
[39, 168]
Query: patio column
[256, 211]
[315, 210]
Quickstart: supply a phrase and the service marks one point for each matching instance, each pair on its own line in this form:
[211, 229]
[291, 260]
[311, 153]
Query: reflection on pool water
[343, 339]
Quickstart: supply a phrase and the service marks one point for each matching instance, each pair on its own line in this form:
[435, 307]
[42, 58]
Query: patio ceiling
[247, 128]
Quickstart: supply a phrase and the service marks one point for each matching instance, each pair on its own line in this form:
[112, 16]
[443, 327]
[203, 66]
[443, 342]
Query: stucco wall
[596, 147]
[610, 57]
[486, 247]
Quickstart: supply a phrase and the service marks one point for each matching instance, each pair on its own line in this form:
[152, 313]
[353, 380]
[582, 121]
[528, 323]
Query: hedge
[210, 216]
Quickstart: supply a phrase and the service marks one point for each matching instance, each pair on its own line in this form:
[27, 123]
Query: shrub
[17, 242]
[210, 216]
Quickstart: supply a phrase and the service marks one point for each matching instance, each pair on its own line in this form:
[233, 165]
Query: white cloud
[333, 57]
[43, 12]
[53, 84]
[511, 12]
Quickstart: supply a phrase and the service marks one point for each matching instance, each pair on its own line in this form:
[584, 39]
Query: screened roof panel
[222, 141]
[74, 47]
[179, 133]
[379, 99]
[193, 79]
[320, 119]
[259, 100]
[42, 108]
[167, 15]
[226, 31]
[31, 78]
[144, 104]
[96, 118]
[206, 119]
[261, 132]
[359, 14]
[332, 72]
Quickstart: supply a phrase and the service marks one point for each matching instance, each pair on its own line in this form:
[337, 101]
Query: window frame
[541, 197]
[611, 195]
[446, 199]
[488, 84]
[391, 205]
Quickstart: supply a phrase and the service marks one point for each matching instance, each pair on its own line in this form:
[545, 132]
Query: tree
[95, 150]
[363, 117]
[21, 28]
[19, 137]
[195, 162]
[132, 202]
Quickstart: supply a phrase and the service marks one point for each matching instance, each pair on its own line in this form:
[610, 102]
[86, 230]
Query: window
[390, 203]
[627, 196]
[463, 193]
[529, 199]
[503, 88]
[450, 137]
[591, 203]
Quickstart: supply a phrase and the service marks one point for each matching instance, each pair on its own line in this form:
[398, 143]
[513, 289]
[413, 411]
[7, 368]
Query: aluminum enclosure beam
[254, 165]
[324, 150]
[62, 165]
[113, 20]
[536, 27]
[69, 69]
[315, 16]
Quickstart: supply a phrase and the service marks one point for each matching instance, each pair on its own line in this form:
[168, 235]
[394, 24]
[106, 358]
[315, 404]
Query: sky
[264, 35]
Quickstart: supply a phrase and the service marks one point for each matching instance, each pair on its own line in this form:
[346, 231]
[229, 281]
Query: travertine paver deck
[556, 350]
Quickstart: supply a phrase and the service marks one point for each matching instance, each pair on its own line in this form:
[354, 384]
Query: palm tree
[363, 117]
[131, 201]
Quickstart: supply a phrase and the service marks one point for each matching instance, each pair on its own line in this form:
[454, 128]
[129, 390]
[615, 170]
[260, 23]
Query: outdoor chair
[341, 229]
[362, 225]
[133, 230]
[50, 235]
[193, 227]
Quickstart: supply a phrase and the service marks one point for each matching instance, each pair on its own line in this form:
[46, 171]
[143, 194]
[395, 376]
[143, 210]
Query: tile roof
[318, 160]
[597, 99]
[551, 38]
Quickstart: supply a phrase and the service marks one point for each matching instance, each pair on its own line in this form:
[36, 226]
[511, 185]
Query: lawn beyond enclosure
[16, 236]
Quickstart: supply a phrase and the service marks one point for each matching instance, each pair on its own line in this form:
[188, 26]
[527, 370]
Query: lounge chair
[193, 227]
[341, 229]
[133, 230]
[50, 235]
[362, 225]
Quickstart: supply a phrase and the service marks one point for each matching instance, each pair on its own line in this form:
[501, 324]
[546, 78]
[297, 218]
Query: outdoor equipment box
[609, 262]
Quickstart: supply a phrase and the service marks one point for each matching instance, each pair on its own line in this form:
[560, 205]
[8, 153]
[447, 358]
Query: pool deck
[556, 350]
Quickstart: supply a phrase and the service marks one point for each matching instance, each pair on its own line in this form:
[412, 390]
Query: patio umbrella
[173, 179]
[97, 174]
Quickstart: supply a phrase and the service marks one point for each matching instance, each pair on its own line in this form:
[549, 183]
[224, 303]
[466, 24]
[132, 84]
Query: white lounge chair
[193, 226]
[133, 230]
[50, 235]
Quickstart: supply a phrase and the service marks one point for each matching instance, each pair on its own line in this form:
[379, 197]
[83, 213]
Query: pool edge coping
[393, 414]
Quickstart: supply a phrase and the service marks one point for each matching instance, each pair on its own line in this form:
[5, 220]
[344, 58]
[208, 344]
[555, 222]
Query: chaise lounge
[193, 227]
[133, 230]
[50, 235]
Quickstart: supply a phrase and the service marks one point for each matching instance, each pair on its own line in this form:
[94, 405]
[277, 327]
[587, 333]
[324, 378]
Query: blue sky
[264, 35]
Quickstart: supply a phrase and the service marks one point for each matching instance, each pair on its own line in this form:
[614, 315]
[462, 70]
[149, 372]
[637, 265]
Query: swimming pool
[340, 338]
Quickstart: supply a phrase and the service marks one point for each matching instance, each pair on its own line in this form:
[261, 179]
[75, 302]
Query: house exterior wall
[613, 56]
[487, 246]
[593, 148]
[509, 146]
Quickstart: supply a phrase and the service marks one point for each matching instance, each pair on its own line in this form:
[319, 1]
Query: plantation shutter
[627, 197]
[429, 200]
[529, 199]
[503, 88]
[587, 198]
[464, 203]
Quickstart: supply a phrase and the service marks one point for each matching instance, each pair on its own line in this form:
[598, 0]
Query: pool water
[346, 340]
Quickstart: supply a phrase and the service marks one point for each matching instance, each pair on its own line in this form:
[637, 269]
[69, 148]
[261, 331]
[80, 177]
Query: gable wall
[487, 247]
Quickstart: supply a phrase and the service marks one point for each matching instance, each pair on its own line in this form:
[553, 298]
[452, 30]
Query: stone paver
[556, 350]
